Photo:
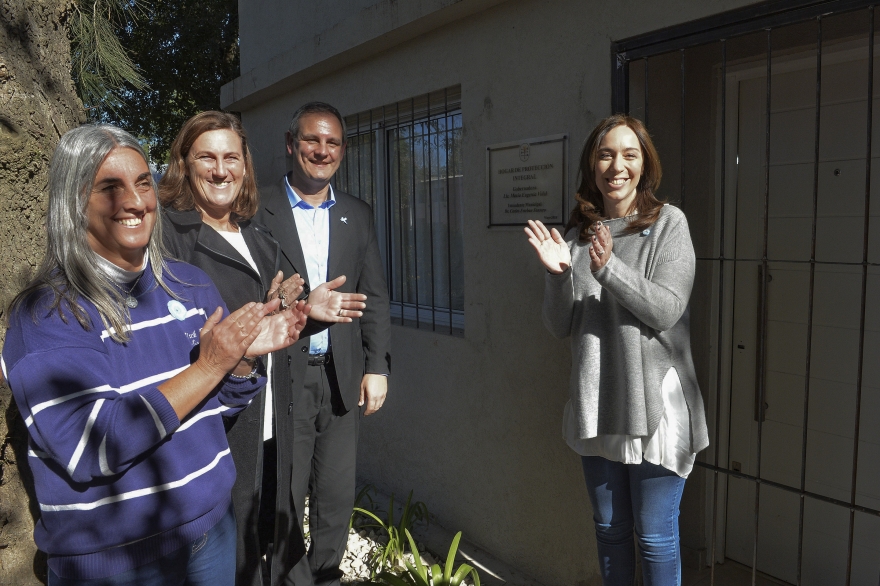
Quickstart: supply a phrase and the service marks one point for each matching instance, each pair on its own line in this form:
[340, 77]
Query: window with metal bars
[404, 159]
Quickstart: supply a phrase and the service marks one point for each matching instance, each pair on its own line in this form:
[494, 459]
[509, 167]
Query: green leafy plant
[419, 574]
[100, 65]
[363, 495]
[390, 554]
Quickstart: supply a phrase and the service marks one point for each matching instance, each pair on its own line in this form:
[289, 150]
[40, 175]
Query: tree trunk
[37, 105]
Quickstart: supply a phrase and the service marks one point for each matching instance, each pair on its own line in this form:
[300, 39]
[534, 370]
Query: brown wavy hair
[590, 207]
[174, 188]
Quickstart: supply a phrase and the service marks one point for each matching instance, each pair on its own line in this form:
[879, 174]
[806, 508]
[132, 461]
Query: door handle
[761, 345]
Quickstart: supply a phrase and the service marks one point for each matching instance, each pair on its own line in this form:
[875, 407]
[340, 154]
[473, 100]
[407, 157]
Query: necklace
[130, 300]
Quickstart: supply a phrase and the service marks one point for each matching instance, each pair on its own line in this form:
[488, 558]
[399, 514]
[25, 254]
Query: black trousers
[323, 466]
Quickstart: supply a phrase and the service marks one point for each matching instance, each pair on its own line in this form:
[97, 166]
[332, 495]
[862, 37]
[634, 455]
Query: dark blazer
[358, 347]
[363, 345]
[190, 240]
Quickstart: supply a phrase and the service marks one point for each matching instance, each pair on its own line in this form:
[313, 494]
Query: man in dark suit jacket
[324, 234]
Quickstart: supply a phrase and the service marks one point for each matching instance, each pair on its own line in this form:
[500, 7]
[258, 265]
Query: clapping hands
[552, 249]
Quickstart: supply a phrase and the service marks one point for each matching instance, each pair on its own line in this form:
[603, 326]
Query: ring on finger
[282, 295]
[340, 313]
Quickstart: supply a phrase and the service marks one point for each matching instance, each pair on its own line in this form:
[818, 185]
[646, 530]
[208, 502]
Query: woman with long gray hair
[122, 362]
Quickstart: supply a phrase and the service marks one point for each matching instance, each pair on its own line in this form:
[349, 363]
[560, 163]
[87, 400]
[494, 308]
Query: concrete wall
[473, 424]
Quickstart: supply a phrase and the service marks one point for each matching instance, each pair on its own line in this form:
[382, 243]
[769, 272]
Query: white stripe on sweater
[159, 427]
[84, 439]
[153, 379]
[58, 400]
[201, 415]
[137, 493]
[150, 323]
[102, 458]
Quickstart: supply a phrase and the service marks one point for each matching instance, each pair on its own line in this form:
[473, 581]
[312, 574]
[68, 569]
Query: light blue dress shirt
[313, 225]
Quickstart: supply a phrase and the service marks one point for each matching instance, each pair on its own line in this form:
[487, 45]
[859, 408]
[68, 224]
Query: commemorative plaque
[526, 181]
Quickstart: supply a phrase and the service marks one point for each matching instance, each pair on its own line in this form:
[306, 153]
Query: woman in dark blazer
[209, 195]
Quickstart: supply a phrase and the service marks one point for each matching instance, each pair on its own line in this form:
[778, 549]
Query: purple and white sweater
[120, 480]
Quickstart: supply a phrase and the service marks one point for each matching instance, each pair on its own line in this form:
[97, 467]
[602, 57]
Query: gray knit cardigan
[629, 323]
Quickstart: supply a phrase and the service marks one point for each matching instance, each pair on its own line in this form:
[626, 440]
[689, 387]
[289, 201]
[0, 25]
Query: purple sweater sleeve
[92, 429]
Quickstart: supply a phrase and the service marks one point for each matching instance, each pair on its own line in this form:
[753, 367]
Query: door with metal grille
[765, 120]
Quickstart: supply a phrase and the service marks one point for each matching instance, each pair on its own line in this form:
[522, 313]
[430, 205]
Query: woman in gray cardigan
[619, 284]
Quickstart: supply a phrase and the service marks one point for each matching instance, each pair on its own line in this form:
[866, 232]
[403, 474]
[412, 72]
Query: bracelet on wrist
[250, 376]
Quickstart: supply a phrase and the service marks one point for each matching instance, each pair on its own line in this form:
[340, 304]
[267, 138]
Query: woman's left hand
[279, 330]
[291, 289]
[601, 244]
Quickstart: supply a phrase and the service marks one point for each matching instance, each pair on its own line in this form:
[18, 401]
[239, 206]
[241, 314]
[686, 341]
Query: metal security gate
[765, 120]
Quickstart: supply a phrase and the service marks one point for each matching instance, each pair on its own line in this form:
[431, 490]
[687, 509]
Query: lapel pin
[344, 220]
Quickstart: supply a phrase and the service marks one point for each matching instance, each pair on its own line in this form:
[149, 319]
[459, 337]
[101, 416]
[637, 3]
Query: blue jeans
[207, 561]
[644, 497]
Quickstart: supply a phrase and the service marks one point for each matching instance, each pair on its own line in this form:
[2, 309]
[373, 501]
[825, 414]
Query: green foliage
[149, 65]
[186, 50]
[419, 574]
[100, 65]
[391, 553]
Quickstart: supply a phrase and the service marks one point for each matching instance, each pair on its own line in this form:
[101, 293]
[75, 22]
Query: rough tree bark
[37, 105]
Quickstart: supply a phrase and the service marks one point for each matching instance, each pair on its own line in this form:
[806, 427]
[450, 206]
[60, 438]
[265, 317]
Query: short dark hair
[315, 108]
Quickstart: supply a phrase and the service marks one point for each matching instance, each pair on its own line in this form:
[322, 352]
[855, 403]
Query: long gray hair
[69, 267]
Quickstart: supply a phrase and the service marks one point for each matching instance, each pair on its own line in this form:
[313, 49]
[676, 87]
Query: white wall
[473, 424]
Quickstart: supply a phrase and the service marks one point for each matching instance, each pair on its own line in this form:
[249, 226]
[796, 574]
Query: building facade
[763, 114]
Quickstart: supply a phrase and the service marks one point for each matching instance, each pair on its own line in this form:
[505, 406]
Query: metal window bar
[448, 204]
[720, 341]
[741, 22]
[399, 198]
[412, 210]
[427, 155]
[810, 298]
[646, 91]
[683, 118]
[423, 261]
[863, 304]
[762, 306]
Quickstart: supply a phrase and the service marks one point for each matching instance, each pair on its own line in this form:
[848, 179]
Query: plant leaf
[415, 551]
[463, 571]
[372, 516]
[450, 558]
[437, 578]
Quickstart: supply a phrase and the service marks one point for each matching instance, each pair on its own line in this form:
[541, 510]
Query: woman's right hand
[552, 249]
[223, 343]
